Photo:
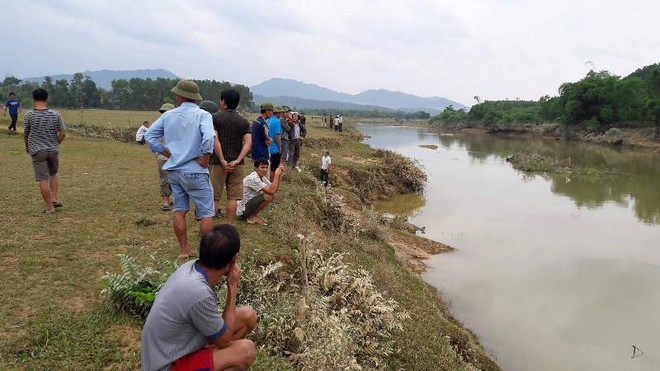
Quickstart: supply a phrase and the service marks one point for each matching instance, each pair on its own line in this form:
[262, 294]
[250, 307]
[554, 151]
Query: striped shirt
[43, 126]
[183, 319]
[231, 128]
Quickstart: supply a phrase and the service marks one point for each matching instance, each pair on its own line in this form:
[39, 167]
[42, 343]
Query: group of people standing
[337, 122]
[200, 150]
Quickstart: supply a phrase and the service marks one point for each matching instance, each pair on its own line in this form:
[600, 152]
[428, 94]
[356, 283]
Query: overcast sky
[494, 49]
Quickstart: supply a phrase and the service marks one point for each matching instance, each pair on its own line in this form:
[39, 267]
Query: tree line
[599, 101]
[133, 94]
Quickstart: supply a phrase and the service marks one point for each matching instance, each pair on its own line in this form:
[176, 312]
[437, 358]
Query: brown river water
[551, 273]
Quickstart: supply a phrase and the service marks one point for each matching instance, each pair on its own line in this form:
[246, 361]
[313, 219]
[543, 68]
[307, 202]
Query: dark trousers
[340, 126]
[275, 161]
[285, 149]
[324, 177]
[294, 152]
[14, 118]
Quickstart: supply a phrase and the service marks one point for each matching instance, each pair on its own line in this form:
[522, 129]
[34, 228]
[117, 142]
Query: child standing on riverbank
[326, 163]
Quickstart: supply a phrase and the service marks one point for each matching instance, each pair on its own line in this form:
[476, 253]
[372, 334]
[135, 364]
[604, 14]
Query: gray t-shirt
[183, 319]
[252, 186]
[43, 126]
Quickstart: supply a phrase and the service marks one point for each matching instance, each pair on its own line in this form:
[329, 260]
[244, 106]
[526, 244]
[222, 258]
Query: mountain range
[292, 93]
[302, 95]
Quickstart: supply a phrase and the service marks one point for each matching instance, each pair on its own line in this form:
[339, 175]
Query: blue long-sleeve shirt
[188, 133]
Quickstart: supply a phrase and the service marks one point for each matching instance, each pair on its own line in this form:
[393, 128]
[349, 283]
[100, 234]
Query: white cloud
[492, 48]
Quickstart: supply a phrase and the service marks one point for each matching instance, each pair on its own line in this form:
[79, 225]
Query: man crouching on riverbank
[184, 330]
[258, 191]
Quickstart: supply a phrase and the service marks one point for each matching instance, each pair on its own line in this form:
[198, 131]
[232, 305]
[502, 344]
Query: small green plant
[134, 289]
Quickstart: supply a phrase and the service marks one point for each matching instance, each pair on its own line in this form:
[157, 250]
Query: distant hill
[103, 78]
[278, 87]
[303, 104]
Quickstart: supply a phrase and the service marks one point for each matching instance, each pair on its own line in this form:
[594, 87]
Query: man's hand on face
[234, 275]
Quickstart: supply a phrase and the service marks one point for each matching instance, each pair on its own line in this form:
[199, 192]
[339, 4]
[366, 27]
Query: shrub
[406, 171]
[134, 289]
[336, 216]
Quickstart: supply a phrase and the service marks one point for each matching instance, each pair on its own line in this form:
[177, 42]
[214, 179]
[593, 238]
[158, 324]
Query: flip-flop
[57, 204]
[165, 208]
[46, 212]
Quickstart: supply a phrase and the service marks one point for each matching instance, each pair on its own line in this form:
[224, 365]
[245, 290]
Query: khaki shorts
[233, 181]
[45, 164]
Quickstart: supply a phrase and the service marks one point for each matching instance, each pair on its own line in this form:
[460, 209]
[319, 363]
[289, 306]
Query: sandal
[57, 204]
[259, 222]
[46, 212]
[165, 208]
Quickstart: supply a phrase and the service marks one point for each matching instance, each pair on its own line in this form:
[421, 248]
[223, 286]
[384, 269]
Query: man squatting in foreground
[189, 140]
[184, 330]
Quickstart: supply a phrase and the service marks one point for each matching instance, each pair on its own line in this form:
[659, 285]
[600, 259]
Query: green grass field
[52, 314]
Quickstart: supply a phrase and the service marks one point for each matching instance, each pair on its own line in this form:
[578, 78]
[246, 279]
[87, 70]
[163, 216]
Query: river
[551, 273]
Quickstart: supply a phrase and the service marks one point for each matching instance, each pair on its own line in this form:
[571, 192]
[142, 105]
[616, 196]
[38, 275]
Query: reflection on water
[551, 274]
[405, 205]
[637, 173]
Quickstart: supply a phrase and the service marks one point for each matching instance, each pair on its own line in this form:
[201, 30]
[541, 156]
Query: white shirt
[326, 161]
[140, 133]
[252, 186]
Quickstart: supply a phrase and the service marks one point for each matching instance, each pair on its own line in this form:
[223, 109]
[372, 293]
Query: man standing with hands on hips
[189, 140]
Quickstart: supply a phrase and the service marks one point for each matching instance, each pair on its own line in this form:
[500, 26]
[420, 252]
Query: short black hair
[219, 246]
[12, 93]
[260, 161]
[145, 122]
[231, 98]
[40, 95]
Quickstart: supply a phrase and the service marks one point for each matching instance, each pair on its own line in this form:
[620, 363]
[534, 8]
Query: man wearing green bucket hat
[189, 139]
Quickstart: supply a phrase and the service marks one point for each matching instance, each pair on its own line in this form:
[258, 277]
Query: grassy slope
[52, 315]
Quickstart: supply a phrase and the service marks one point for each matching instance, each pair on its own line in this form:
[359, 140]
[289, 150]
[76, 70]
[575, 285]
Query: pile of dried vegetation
[392, 174]
[321, 313]
[121, 134]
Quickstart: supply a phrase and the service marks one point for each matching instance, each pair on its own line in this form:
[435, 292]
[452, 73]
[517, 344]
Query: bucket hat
[166, 107]
[187, 89]
[267, 106]
[209, 106]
